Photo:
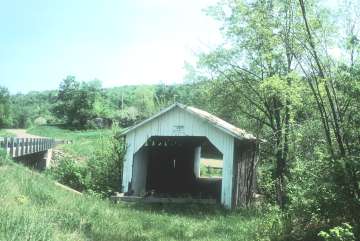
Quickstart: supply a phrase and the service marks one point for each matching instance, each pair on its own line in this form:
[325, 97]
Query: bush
[39, 121]
[70, 173]
[101, 174]
[339, 233]
[105, 168]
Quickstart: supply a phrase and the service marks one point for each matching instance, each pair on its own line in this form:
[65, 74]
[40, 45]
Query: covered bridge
[164, 152]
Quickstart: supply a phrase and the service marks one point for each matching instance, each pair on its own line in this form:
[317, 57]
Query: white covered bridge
[164, 152]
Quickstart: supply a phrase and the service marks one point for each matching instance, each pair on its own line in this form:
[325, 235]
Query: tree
[4, 107]
[77, 101]
[335, 89]
[144, 101]
[255, 73]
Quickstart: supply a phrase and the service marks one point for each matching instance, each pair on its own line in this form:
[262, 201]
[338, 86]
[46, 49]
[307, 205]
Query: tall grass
[33, 208]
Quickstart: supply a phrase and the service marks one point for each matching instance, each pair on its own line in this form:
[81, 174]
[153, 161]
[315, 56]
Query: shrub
[105, 168]
[70, 173]
[101, 174]
[40, 121]
[338, 233]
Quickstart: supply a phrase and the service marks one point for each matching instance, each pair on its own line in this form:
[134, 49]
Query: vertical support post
[12, 153]
[227, 174]
[197, 158]
[6, 144]
[17, 146]
[30, 145]
[26, 145]
[22, 146]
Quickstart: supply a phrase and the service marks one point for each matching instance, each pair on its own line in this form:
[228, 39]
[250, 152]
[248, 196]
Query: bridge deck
[16, 147]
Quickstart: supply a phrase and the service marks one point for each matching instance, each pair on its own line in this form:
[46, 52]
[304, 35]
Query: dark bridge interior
[170, 168]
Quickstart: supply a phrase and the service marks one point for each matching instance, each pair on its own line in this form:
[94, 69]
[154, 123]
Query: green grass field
[4, 133]
[83, 142]
[33, 208]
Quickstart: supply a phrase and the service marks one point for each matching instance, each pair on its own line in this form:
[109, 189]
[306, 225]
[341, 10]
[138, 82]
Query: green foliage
[70, 173]
[274, 77]
[206, 171]
[5, 118]
[104, 169]
[40, 121]
[26, 108]
[100, 173]
[78, 102]
[339, 233]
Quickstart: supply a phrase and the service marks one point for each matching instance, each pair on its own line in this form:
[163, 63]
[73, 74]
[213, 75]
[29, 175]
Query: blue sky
[117, 41]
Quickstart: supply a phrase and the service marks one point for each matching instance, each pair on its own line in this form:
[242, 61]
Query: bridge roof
[210, 118]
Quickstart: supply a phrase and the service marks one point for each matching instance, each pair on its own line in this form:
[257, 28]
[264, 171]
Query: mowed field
[83, 142]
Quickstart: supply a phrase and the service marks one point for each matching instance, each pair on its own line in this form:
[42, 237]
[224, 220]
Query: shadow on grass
[68, 127]
[192, 210]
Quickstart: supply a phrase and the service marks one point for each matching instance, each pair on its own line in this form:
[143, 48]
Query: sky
[119, 42]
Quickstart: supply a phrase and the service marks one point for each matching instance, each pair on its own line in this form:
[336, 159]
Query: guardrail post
[30, 145]
[22, 146]
[17, 146]
[26, 145]
[36, 145]
[12, 151]
[6, 144]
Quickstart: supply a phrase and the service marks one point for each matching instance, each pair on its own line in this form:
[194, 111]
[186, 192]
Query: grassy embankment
[33, 208]
[83, 142]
